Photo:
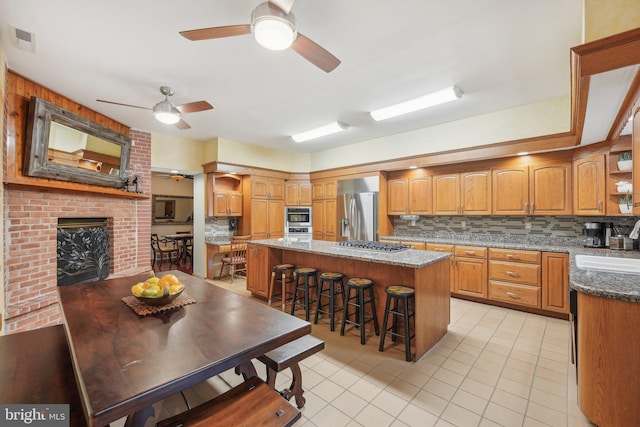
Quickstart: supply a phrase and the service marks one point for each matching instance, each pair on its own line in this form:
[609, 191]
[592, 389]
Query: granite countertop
[620, 286]
[408, 258]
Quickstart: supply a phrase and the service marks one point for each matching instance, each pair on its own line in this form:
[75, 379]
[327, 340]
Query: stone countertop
[620, 286]
[407, 258]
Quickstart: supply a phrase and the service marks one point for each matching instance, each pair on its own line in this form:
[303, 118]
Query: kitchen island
[425, 271]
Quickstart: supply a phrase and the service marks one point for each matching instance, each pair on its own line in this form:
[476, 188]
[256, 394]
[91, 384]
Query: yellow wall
[230, 151]
[175, 153]
[604, 18]
[543, 118]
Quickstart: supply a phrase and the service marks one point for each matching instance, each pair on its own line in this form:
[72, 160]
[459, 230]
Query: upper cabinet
[550, 189]
[263, 187]
[588, 186]
[324, 189]
[465, 193]
[533, 190]
[223, 195]
[408, 194]
[297, 193]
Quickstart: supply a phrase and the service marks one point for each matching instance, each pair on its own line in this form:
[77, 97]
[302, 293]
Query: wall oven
[298, 216]
[297, 222]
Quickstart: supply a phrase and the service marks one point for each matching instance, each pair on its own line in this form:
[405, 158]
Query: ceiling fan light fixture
[325, 130]
[429, 100]
[272, 28]
[165, 112]
[177, 178]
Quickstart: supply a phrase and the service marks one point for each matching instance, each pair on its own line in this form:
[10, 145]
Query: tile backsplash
[217, 228]
[534, 226]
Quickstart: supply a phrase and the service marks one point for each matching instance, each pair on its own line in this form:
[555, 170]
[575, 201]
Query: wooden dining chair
[188, 244]
[237, 259]
[162, 249]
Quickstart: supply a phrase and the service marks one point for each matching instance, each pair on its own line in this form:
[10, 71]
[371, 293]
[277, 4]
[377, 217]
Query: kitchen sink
[606, 263]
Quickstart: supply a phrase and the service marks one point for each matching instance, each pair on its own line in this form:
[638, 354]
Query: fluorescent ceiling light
[426, 101]
[320, 131]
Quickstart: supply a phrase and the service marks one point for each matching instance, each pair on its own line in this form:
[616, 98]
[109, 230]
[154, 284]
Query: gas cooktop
[374, 246]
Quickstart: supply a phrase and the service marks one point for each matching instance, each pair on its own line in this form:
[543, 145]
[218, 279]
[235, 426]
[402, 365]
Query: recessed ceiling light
[415, 104]
[320, 131]
[413, 167]
[523, 153]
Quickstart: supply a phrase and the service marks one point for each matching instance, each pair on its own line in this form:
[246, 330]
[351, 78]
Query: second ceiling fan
[166, 112]
[274, 27]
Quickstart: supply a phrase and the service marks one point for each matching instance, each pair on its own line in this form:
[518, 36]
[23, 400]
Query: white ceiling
[502, 53]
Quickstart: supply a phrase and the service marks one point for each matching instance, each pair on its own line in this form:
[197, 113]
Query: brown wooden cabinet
[514, 277]
[259, 275]
[409, 195]
[227, 203]
[555, 282]
[297, 193]
[263, 187]
[465, 193]
[550, 189]
[588, 186]
[510, 190]
[543, 189]
[324, 189]
[470, 271]
[439, 247]
[324, 220]
[267, 219]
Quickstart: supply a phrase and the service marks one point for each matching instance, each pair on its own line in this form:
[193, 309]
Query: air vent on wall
[23, 39]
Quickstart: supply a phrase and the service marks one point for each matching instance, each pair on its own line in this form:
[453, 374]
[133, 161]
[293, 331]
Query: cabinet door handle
[470, 252]
[513, 273]
[461, 208]
[599, 205]
[513, 295]
[438, 249]
[512, 256]
[533, 207]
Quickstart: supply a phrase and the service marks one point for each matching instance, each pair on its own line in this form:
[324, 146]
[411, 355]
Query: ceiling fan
[166, 112]
[174, 176]
[274, 27]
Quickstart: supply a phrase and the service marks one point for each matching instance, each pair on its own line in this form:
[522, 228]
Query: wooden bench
[288, 356]
[36, 369]
[252, 403]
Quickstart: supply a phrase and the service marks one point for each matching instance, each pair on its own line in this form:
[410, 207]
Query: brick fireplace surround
[31, 221]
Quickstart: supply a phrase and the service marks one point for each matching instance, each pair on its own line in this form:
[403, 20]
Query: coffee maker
[597, 233]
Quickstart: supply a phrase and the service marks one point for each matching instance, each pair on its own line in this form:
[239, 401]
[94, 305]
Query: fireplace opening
[83, 250]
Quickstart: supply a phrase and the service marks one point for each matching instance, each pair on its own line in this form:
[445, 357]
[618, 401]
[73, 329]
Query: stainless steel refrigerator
[358, 208]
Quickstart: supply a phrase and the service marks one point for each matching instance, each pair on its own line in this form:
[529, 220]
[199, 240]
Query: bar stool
[403, 307]
[279, 274]
[359, 286]
[335, 282]
[304, 273]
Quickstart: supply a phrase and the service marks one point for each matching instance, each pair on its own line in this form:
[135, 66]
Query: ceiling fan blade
[118, 103]
[194, 107]
[283, 5]
[216, 32]
[182, 125]
[314, 53]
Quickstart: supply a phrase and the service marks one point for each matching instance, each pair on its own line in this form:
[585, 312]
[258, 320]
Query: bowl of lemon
[158, 290]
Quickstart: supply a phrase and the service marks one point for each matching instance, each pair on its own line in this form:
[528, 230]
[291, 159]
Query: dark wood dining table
[182, 239]
[125, 362]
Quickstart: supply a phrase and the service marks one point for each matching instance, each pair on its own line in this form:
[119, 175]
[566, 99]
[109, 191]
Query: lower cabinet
[437, 247]
[259, 276]
[514, 277]
[555, 282]
[470, 271]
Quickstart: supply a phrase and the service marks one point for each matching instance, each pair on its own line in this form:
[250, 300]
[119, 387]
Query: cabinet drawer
[470, 251]
[528, 274]
[439, 247]
[515, 294]
[512, 255]
[414, 245]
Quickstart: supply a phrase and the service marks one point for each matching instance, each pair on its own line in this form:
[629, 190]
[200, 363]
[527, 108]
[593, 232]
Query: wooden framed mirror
[174, 210]
[65, 146]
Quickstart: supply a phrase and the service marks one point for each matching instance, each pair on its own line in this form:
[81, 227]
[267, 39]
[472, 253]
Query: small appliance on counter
[621, 243]
[597, 234]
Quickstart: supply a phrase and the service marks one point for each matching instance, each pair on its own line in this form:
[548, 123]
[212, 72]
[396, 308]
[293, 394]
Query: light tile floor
[495, 367]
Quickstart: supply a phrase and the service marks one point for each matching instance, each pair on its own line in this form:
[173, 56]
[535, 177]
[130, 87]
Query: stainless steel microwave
[298, 216]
